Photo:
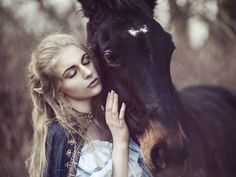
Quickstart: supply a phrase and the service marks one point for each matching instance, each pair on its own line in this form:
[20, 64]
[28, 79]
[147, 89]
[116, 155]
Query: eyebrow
[67, 70]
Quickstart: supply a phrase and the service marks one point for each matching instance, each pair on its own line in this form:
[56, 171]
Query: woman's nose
[86, 72]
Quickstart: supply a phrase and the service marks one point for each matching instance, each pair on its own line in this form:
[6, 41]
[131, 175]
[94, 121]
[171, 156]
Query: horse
[187, 133]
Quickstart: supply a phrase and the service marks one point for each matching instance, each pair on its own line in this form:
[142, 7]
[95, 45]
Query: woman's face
[79, 77]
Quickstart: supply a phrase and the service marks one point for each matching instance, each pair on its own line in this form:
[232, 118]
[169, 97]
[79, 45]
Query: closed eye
[71, 72]
[85, 60]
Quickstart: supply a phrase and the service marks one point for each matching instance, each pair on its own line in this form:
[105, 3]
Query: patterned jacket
[62, 152]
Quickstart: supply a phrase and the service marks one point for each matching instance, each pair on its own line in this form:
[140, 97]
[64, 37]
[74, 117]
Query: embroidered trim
[68, 153]
[72, 164]
[76, 141]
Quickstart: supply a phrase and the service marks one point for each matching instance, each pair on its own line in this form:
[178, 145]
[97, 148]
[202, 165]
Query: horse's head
[134, 54]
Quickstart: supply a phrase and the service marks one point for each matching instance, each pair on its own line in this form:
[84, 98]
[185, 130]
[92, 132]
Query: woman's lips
[93, 83]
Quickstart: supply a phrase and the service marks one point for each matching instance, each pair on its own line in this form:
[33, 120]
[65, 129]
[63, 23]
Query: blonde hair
[48, 104]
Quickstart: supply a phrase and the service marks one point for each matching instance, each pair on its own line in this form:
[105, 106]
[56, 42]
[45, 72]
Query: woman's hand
[115, 120]
[120, 134]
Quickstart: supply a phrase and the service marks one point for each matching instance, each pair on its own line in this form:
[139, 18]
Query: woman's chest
[100, 132]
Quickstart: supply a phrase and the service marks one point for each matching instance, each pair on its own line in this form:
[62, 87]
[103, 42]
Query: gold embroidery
[68, 153]
[77, 145]
[74, 159]
[67, 164]
[71, 142]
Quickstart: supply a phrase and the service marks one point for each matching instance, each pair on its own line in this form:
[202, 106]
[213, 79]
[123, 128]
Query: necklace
[83, 119]
[86, 118]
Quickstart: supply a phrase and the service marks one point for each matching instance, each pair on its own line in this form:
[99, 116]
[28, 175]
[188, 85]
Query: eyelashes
[85, 59]
[110, 59]
[71, 72]
[72, 75]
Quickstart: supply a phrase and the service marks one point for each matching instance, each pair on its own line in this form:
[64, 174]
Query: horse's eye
[108, 57]
[111, 60]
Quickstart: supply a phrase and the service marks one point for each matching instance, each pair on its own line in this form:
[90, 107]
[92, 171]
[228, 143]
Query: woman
[71, 135]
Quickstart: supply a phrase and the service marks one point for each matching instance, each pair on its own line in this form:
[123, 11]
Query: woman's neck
[84, 106]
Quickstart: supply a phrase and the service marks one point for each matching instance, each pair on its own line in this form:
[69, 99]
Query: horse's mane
[93, 8]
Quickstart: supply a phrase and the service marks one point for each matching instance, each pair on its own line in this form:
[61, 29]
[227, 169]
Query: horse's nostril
[165, 154]
[157, 155]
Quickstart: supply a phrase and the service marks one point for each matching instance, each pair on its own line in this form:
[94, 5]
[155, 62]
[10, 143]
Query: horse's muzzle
[165, 151]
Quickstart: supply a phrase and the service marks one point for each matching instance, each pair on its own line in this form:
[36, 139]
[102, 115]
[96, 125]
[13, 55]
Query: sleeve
[57, 148]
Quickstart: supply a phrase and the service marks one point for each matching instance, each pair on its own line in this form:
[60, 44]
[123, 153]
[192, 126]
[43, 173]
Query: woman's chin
[97, 90]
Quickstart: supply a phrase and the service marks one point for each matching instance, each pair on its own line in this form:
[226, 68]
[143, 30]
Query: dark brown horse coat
[191, 133]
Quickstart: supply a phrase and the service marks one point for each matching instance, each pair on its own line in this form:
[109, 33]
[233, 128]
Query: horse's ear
[91, 7]
[88, 6]
[151, 4]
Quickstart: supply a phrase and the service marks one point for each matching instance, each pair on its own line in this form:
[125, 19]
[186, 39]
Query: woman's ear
[61, 94]
[60, 91]
[38, 90]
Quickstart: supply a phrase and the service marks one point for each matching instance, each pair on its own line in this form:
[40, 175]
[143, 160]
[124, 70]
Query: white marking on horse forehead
[134, 32]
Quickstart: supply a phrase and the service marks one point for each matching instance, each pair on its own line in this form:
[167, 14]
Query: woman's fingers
[108, 105]
[112, 113]
[122, 113]
[115, 106]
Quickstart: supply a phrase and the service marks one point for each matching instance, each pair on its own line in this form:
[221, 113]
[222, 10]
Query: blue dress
[66, 158]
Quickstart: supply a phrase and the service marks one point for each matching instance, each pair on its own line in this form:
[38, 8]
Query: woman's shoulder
[58, 139]
[55, 127]
[57, 136]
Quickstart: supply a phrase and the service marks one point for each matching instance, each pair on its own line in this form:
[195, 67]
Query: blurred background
[204, 32]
